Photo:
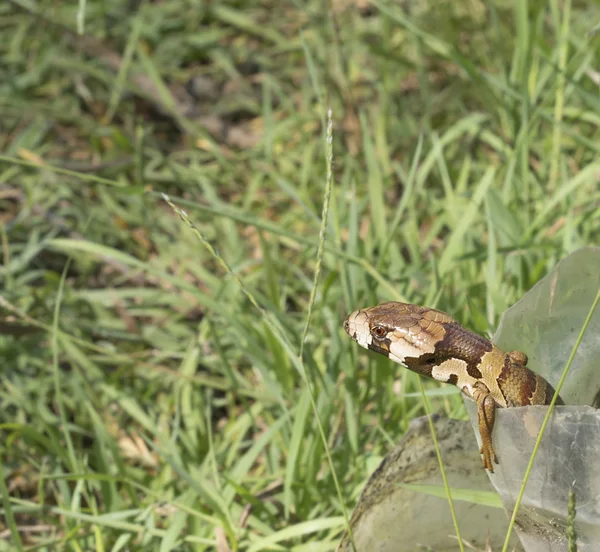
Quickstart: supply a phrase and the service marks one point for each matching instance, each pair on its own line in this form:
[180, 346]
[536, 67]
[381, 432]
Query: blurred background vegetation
[145, 402]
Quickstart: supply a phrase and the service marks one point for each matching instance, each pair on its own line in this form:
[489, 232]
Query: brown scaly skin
[432, 343]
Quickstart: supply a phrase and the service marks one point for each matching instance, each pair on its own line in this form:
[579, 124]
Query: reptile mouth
[350, 324]
[347, 328]
[357, 327]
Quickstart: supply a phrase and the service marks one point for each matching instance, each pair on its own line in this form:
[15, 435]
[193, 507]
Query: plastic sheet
[390, 517]
[545, 325]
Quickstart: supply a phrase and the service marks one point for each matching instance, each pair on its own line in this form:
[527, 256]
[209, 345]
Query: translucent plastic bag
[545, 325]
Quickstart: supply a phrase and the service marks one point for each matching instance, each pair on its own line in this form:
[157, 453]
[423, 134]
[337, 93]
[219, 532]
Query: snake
[431, 343]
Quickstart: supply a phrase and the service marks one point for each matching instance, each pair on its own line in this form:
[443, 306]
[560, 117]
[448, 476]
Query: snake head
[399, 331]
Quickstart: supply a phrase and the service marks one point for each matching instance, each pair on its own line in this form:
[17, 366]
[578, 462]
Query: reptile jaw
[357, 327]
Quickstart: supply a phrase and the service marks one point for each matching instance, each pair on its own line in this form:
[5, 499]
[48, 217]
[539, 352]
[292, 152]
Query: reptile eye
[379, 331]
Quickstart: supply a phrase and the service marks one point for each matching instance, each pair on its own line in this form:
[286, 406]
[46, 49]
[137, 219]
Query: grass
[146, 402]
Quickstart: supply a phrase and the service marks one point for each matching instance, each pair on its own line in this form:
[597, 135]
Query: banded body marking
[432, 343]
